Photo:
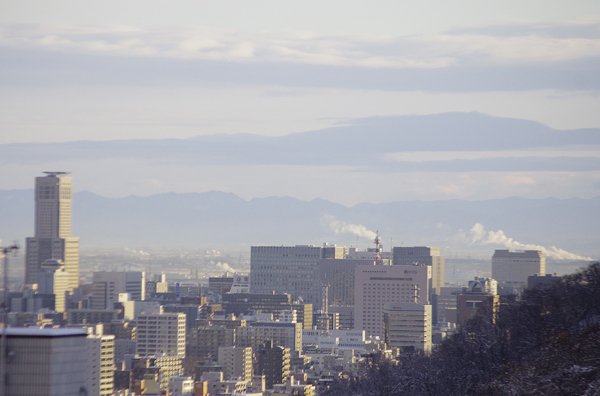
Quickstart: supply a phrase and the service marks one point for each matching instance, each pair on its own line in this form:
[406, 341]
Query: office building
[338, 276]
[46, 362]
[108, 285]
[236, 362]
[408, 326]
[52, 240]
[53, 279]
[423, 255]
[377, 285]
[290, 269]
[161, 333]
[511, 268]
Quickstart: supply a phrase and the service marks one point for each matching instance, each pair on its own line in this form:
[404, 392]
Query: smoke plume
[478, 235]
[226, 267]
[339, 226]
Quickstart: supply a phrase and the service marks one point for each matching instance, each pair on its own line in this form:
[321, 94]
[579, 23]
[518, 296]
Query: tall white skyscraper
[52, 240]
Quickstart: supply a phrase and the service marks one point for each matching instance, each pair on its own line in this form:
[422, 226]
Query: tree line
[547, 343]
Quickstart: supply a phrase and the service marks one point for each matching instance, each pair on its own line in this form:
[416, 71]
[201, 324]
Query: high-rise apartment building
[52, 240]
[377, 285]
[161, 333]
[290, 269]
[511, 268]
[274, 363]
[423, 255]
[100, 364]
[236, 362]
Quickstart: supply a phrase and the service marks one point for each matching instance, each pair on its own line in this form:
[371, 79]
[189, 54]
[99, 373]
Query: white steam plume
[225, 267]
[339, 226]
[478, 235]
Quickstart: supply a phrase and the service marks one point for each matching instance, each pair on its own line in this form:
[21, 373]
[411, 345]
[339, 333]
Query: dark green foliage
[546, 344]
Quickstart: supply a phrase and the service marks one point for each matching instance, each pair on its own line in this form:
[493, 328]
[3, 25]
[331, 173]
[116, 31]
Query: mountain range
[224, 220]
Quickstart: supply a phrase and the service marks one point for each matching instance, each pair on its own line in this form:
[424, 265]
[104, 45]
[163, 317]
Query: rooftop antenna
[377, 242]
[5, 250]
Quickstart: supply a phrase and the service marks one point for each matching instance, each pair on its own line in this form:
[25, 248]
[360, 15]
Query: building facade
[100, 364]
[377, 285]
[408, 326]
[290, 269]
[52, 240]
[46, 362]
[108, 285]
[161, 334]
[236, 362]
[511, 268]
[423, 255]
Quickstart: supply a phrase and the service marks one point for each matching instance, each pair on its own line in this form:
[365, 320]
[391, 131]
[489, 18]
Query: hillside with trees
[547, 343]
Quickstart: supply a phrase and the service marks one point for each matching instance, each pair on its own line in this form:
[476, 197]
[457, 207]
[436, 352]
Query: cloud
[339, 227]
[478, 235]
[529, 44]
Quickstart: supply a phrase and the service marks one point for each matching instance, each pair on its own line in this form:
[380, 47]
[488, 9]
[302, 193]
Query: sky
[115, 70]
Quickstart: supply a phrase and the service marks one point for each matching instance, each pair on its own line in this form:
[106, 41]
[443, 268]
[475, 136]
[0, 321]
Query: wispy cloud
[484, 46]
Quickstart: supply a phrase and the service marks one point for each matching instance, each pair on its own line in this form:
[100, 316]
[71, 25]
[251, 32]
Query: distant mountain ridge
[219, 219]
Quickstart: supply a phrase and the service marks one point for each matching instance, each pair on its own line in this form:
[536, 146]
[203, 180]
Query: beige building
[408, 326]
[377, 285]
[53, 279]
[511, 268]
[236, 362]
[52, 240]
[161, 334]
[100, 364]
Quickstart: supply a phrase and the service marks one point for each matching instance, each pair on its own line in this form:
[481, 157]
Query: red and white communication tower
[377, 241]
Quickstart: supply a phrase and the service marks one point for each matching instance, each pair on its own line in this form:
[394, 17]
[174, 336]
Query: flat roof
[38, 332]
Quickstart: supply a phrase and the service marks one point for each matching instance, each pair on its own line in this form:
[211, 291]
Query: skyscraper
[52, 240]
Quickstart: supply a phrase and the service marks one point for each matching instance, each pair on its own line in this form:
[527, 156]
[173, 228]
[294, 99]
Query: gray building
[511, 268]
[290, 269]
[46, 362]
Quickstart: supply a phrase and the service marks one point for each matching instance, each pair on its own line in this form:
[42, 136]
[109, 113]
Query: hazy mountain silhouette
[221, 219]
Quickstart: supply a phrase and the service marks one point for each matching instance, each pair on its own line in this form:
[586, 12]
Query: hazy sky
[104, 70]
